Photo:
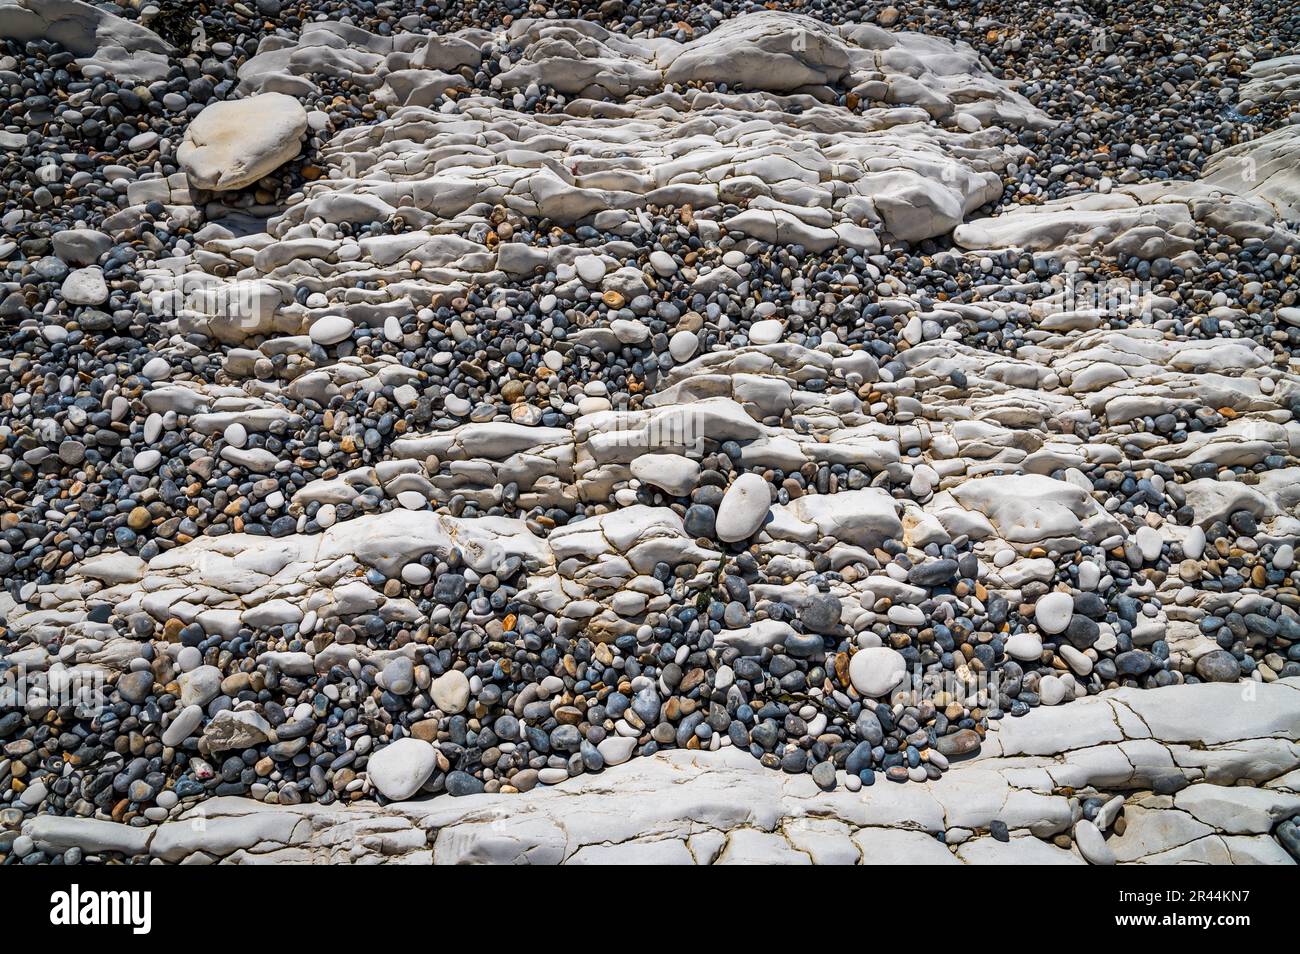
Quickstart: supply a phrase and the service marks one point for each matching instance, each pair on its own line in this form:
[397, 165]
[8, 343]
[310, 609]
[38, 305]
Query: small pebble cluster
[385, 537]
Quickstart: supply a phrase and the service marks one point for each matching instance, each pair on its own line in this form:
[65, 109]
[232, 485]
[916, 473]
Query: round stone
[135, 686]
[156, 369]
[1218, 666]
[663, 263]
[682, 345]
[416, 574]
[616, 749]
[629, 332]
[700, 521]
[85, 286]
[1051, 690]
[146, 461]
[398, 770]
[590, 269]
[765, 332]
[450, 692]
[1052, 612]
[821, 613]
[398, 676]
[876, 671]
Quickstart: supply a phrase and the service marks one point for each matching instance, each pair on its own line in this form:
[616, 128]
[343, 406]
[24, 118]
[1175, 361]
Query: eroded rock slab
[679, 807]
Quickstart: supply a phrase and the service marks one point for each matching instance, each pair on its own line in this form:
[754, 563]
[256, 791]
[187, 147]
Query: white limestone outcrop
[1190, 774]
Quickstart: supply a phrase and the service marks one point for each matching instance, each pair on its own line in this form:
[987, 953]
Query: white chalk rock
[671, 473]
[1052, 612]
[743, 508]
[398, 770]
[232, 144]
[876, 671]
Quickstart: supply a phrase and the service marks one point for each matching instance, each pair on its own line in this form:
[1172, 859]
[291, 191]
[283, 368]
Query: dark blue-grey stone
[462, 783]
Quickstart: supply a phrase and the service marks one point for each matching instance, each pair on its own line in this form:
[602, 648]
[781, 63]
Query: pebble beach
[883, 415]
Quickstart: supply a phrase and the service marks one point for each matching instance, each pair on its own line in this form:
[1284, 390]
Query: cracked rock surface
[1156, 782]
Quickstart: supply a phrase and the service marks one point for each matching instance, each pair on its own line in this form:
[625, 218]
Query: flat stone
[671, 473]
[1025, 850]
[1237, 809]
[896, 846]
[89, 834]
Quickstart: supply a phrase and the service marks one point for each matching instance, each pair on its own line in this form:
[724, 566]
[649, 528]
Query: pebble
[743, 509]
[682, 346]
[1053, 612]
[331, 329]
[877, 671]
[590, 269]
[399, 769]
[1149, 543]
[450, 692]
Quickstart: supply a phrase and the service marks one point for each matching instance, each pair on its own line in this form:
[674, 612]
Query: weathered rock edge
[1227, 753]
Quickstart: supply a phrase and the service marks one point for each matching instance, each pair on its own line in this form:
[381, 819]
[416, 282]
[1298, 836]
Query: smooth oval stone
[743, 509]
[330, 329]
[1218, 666]
[1052, 612]
[876, 671]
[1025, 647]
[398, 770]
[682, 345]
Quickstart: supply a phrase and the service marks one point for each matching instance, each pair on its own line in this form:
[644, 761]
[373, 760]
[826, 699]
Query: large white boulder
[398, 770]
[232, 144]
[743, 508]
[877, 671]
